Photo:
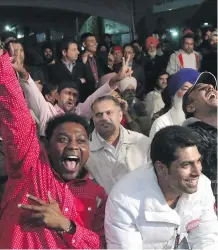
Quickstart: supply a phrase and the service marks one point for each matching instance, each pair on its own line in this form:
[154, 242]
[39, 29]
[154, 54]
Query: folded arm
[18, 130]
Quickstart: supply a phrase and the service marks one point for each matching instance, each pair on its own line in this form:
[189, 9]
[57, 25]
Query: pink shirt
[45, 110]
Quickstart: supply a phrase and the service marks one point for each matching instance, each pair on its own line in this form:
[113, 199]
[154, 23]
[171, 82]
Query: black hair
[84, 36]
[167, 99]
[163, 73]
[48, 88]
[128, 45]
[58, 120]
[186, 101]
[106, 98]
[168, 140]
[64, 45]
[7, 45]
[5, 35]
[189, 35]
[47, 45]
[136, 41]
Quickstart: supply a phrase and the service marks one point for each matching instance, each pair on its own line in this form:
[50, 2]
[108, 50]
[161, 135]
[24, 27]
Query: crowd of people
[109, 146]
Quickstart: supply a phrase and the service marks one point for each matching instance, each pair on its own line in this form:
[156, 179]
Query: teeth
[72, 157]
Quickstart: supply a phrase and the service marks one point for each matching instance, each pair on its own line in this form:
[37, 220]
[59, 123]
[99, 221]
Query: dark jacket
[89, 87]
[209, 63]
[207, 146]
[58, 72]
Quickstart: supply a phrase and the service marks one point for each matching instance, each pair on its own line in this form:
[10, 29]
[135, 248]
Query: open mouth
[71, 162]
[211, 95]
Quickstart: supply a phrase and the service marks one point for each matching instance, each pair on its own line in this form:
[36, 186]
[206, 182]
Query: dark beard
[48, 60]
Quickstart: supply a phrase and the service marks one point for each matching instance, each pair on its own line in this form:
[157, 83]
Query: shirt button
[66, 209]
[73, 241]
[89, 208]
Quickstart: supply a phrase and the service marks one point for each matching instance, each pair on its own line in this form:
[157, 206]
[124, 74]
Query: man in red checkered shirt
[49, 200]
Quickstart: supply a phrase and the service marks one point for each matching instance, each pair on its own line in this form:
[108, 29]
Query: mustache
[106, 123]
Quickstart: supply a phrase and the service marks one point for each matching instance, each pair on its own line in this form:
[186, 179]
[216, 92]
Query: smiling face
[69, 150]
[203, 100]
[90, 44]
[183, 174]
[48, 53]
[67, 99]
[162, 81]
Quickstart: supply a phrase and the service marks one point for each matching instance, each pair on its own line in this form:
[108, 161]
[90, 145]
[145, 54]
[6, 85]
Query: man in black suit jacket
[68, 68]
[93, 69]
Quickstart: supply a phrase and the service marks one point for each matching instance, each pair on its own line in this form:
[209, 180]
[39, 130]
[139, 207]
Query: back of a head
[168, 140]
[48, 88]
[58, 120]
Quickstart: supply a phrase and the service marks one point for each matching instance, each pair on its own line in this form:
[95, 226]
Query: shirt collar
[97, 142]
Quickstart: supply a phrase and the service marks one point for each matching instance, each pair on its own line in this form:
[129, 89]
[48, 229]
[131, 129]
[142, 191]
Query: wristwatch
[72, 225]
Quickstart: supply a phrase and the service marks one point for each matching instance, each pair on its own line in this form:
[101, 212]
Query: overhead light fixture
[7, 28]
[206, 24]
[170, 9]
[174, 33]
[19, 35]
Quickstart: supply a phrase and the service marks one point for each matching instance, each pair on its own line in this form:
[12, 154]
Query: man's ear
[121, 116]
[64, 52]
[191, 108]
[161, 169]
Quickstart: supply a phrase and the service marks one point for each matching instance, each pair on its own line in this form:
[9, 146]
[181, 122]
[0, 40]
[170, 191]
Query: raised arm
[35, 100]
[18, 130]
[84, 109]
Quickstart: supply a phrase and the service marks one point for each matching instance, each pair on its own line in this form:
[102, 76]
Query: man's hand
[124, 106]
[48, 214]
[125, 71]
[85, 57]
[17, 64]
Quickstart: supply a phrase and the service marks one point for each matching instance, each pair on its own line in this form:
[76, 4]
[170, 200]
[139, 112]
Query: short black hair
[136, 41]
[48, 88]
[106, 98]
[163, 73]
[189, 35]
[168, 140]
[65, 43]
[7, 45]
[186, 101]
[128, 45]
[84, 36]
[58, 120]
[6, 34]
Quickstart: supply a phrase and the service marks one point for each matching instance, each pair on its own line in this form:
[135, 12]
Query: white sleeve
[172, 65]
[157, 125]
[120, 227]
[205, 236]
[149, 105]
